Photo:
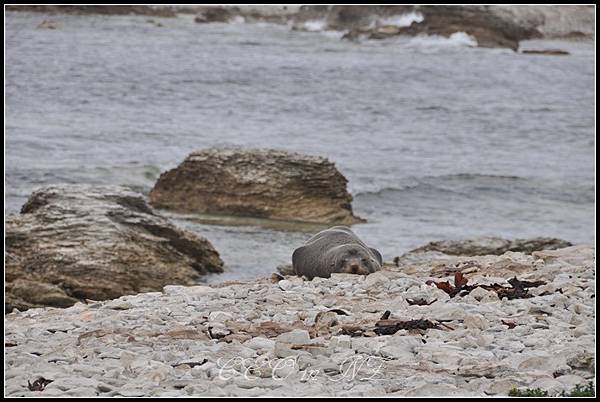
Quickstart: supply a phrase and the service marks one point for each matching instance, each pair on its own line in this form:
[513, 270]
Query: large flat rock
[493, 245]
[258, 183]
[75, 242]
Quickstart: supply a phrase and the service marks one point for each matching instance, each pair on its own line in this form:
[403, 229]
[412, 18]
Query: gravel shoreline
[292, 337]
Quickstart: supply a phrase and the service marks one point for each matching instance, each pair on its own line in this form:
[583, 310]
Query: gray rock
[401, 348]
[260, 343]
[256, 183]
[296, 337]
[492, 245]
[75, 242]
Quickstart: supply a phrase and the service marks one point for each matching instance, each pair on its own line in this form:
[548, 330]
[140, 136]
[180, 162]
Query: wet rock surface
[347, 335]
[256, 183]
[77, 242]
[547, 52]
[488, 28]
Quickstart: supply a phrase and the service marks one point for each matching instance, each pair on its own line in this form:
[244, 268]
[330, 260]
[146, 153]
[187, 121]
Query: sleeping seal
[335, 250]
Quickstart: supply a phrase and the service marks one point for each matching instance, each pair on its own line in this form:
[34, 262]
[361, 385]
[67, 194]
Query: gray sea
[438, 140]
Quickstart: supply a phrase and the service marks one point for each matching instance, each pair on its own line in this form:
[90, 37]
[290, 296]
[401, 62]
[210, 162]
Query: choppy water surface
[438, 140]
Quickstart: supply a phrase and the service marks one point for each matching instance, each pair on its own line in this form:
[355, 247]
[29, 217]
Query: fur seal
[335, 250]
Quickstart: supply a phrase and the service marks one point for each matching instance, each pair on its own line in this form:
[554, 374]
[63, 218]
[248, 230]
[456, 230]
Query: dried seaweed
[190, 364]
[385, 326]
[390, 327]
[352, 330]
[420, 302]
[39, 384]
[518, 289]
[339, 311]
[510, 325]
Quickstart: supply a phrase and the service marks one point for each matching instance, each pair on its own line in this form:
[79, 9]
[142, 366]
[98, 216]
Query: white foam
[458, 39]
[334, 34]
[462, 39]
[403, 20]
[238, 19]
[314, 25]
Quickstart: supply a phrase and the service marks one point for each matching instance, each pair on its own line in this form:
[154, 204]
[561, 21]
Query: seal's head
[353, 259]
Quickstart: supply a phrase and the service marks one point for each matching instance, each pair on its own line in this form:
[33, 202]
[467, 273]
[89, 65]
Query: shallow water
[437, 139]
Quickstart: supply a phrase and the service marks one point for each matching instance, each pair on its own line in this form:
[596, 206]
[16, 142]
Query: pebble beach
[286, 336]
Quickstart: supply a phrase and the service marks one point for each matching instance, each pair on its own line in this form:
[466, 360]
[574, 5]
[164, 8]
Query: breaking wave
[458, 39]
[403, 20]
[314, 25]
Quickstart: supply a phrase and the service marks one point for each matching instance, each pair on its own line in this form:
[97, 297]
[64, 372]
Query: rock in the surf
[488, 28]
[270, 184]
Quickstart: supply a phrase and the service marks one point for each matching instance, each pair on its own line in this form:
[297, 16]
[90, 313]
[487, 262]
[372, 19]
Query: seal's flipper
[377, 255]
[297, 258]
[286, 270]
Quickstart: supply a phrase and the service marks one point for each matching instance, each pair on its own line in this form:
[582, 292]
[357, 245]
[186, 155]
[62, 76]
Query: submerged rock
[75, 242]
[268, 184]
[548, 52]
[47, 24]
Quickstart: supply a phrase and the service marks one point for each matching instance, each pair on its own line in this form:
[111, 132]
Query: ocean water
[438, 139]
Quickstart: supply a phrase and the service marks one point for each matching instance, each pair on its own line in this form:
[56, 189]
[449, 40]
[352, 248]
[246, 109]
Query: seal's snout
[355, 266]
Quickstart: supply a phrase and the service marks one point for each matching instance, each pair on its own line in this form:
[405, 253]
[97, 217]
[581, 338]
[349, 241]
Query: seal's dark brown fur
[335, 250]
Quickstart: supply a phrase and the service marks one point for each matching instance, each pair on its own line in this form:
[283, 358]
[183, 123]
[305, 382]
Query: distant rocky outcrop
[374, 22]
[76, 242]
[112, 9]
[554, 21]
[269, 184]
[490, 26]
[273, 14]
[215, 14]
